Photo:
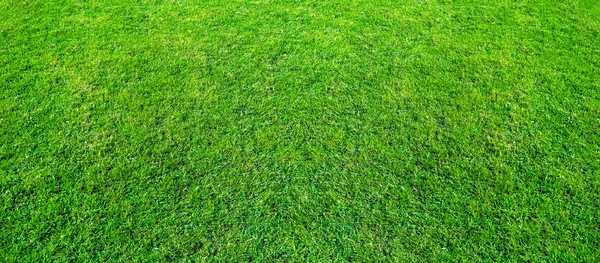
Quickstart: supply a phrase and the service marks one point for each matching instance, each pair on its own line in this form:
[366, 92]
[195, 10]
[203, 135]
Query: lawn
[299, 131]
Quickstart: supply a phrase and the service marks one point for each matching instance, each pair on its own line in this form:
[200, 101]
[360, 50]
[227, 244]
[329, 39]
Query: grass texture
[299, 131]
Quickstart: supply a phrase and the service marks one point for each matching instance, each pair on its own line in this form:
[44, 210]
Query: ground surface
[291, 131]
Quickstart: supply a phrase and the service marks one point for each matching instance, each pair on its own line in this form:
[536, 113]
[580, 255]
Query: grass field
[299, 131]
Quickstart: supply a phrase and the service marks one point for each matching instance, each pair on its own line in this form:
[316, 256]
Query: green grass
[299, 131]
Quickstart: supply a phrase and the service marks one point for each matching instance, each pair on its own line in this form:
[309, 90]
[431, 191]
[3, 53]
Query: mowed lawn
[299, 131]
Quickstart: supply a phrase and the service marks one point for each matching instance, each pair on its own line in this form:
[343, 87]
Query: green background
[299, 131]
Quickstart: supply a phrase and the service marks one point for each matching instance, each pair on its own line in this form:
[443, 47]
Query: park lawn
[299, 131]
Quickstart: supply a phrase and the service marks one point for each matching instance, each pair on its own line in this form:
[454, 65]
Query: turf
[299, 131]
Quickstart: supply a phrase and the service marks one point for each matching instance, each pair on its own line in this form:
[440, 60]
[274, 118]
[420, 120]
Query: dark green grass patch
[299, 131]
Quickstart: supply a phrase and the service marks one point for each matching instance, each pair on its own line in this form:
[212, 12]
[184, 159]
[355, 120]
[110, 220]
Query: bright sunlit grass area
[299, 131]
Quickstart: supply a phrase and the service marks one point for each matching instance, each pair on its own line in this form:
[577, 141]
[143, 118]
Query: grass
[299, 131]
